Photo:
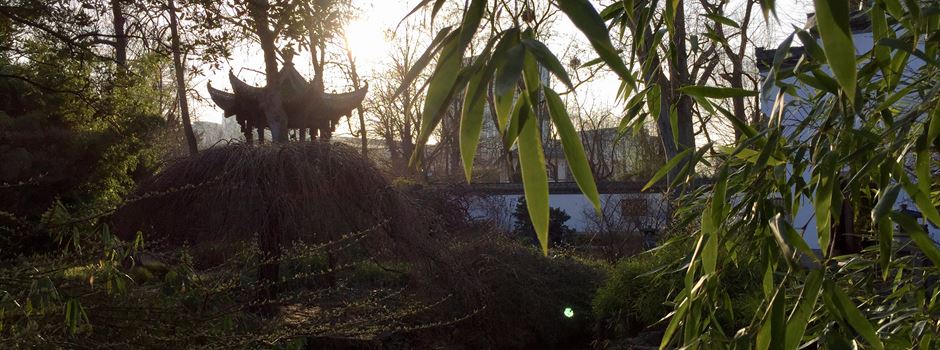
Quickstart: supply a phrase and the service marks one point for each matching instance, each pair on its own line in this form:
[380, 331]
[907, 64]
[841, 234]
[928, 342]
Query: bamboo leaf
[519, 112]
[574, 150]
[907, 47]
[832, 20]
[723, 20]
[548, 60]
[442, 36]
[917, 234]
[510, 72]
[799, 318]
[773, 326]
[589, 22]
[717, 92]
[440, 90]
[74, 315]
[471, 120]
[787, 238]
[666, 168]
[826, 179]
[471, 20]
[852, 315]
[886, 201]
[534, 177]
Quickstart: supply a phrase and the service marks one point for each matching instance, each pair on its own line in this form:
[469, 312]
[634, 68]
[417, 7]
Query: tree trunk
[271, 100]
[120, 37]
[357, 84]
[669, 90]
[181, 81]
[678, 77]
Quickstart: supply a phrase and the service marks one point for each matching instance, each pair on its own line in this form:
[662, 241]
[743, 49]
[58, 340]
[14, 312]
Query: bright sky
[370, 46]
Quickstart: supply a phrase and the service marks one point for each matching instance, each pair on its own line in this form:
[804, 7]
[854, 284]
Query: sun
[367, 40]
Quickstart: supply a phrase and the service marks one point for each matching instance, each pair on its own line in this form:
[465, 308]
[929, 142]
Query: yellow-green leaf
[852, 315]
[440, 89]
[917, 234]
[832, 20]
[666, 168]
[585, 17]
[471, 120]
[574, 150]
[799, 318]
[548, 60]
[534, 176]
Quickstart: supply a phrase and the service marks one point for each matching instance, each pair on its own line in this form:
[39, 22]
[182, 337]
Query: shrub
[634, 297]
[639, 291]
[558, 231]
[519, 295]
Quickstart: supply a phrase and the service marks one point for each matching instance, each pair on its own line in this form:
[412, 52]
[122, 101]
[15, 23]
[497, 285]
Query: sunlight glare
[367, 39]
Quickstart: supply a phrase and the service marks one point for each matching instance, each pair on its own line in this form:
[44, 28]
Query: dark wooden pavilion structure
[307, 105]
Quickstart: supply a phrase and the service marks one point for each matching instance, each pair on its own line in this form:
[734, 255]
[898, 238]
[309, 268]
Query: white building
[805, 220]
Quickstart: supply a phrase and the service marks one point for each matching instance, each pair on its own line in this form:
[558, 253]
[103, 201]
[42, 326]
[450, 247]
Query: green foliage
[69, 298]
[859, 144]
[634, 297]
[870, 128]
[637, 295]
[66, 146]
[509, 67]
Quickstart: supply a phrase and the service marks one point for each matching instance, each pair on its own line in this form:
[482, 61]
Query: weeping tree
[869, 122]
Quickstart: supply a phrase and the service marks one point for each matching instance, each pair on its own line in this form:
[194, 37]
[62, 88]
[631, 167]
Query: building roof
[859, 22]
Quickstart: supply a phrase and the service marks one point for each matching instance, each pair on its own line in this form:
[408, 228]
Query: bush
[518, 296]
[634, 297]
[558, 231]
[639, 291]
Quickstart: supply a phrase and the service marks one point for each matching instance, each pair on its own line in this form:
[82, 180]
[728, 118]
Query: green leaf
[774, 326]
[440, 90]
[885, 241]
[832, 20]
[710, 251]
[534, 176]
[886, 201]
[519, 112]
[443, 35]
[879, 28]
[548, 60]
[434, 10]
[787, 238]
[917, 234]
[574, 150]
[719, 201]
[799, 318]
[510, 72]
[471, 20]
[906, 46]
[586, 18]
[674, 124]
[531, 76]
[921, 199]
[723, 20]
[852, 315]
[666, 168]
[504, 109]
[74, 315]
[811, 46]
[471, 120]
[826, 180]
[717, 92]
